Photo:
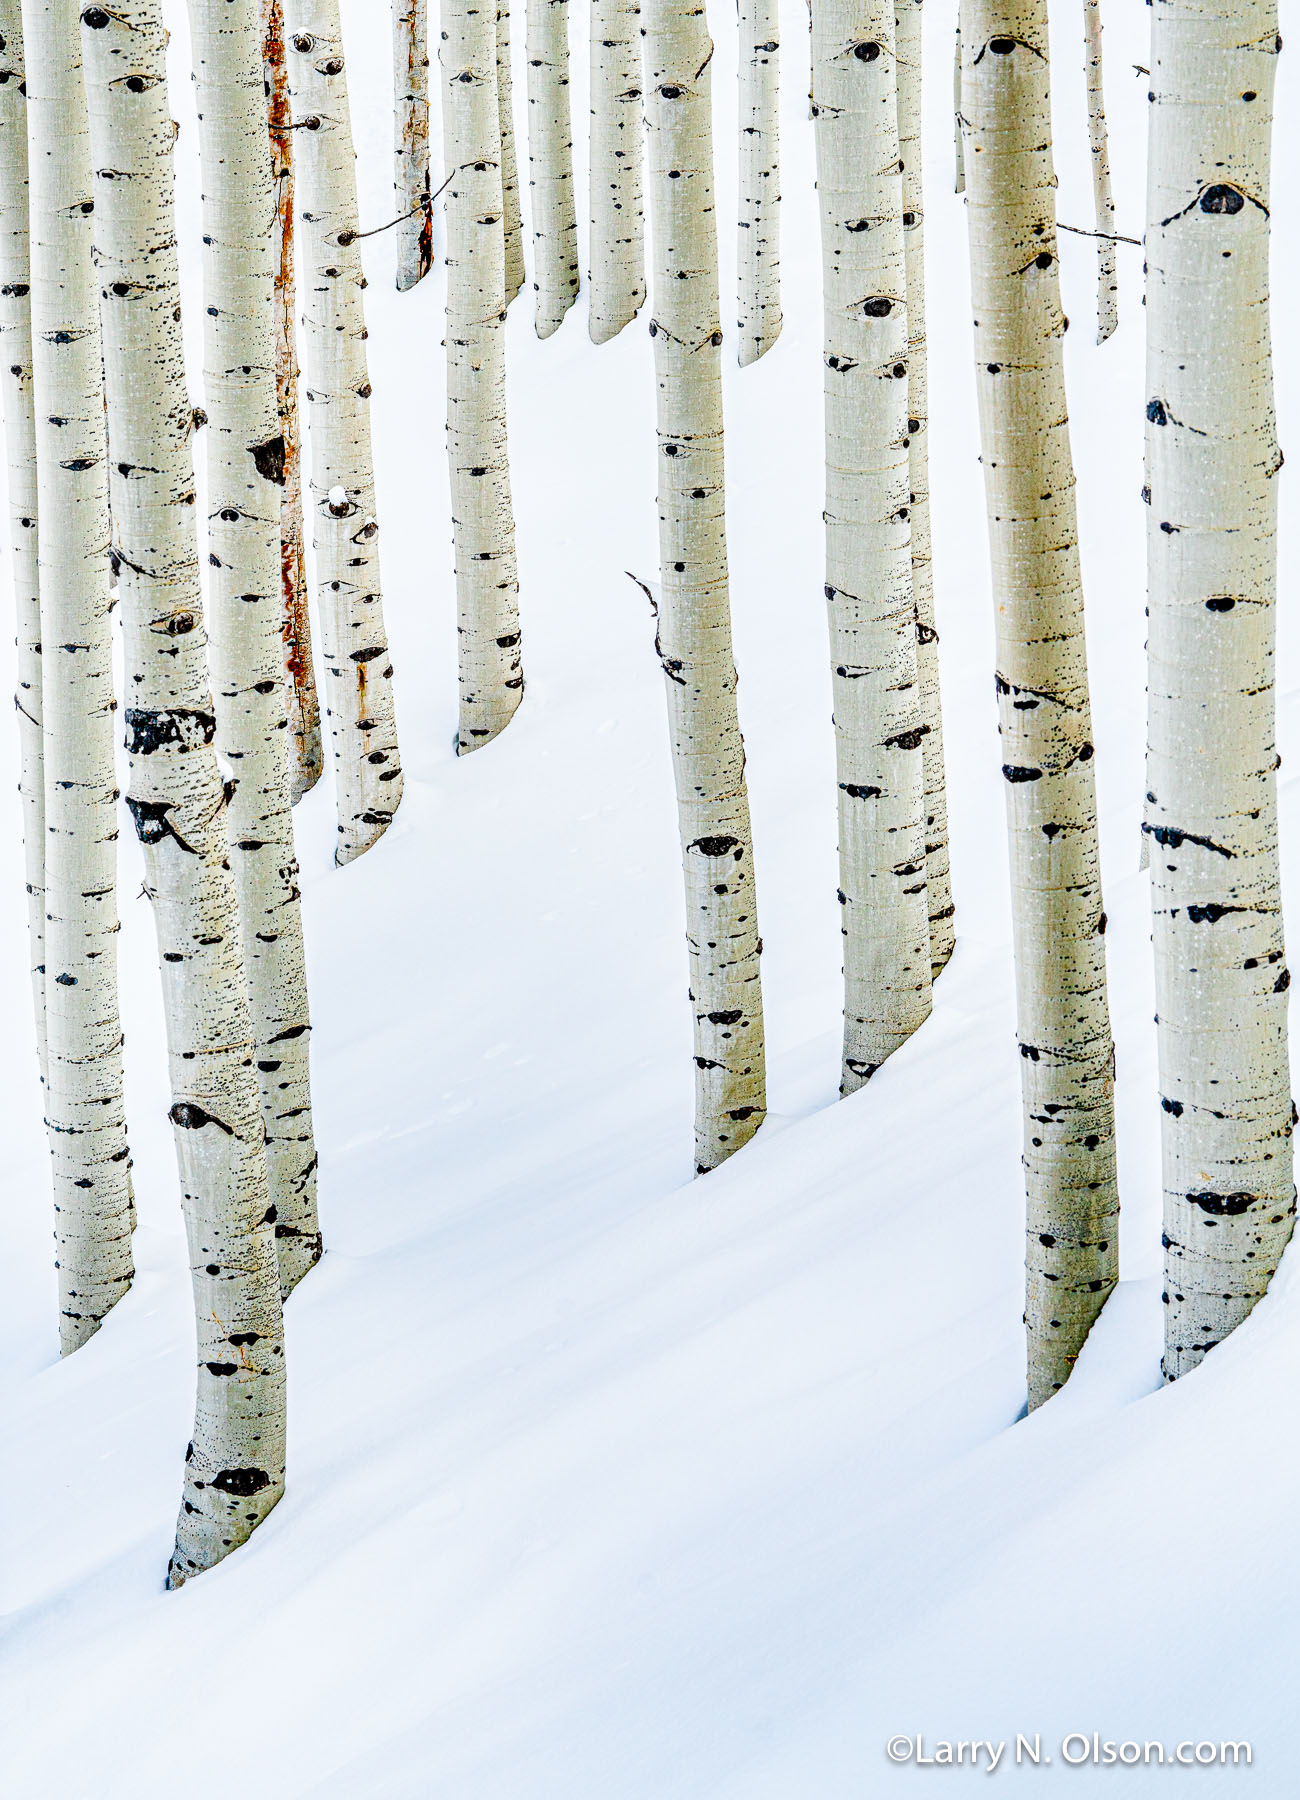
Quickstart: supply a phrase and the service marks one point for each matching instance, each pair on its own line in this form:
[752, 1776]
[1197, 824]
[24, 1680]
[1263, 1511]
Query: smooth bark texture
[411, 142]
[616, 240]
[1067, 1058]
[510, 208]
[20, 461]
[694, 632]
[345, 531]
[234, 1467]
[880, 725]
[302, 702]
[907, 29]
[245, 472]
[1211, 806]
[1102, 198]
[550, 164]
[959, 145]
[758, 237]
[487, 586]
[84, 1106]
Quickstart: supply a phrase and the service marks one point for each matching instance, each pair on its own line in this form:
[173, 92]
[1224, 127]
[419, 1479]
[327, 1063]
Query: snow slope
[605, 1484]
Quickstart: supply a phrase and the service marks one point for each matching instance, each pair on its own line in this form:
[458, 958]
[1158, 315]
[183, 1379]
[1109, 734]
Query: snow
[604, 1483]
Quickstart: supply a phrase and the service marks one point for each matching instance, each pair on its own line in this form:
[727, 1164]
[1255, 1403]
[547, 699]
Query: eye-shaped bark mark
[1004, 46]
[152, 824]
[1222, 1205]
[189, 1117]
[1170, 837]
[1223, 197]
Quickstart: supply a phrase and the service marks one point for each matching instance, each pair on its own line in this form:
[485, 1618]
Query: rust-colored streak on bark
[301, 700]
[415, 234]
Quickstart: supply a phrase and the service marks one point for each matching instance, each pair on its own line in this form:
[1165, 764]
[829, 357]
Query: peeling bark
[1222, 983]
[550, 164]
[1102, 198]
[345, 530]
[880, 724]
[411, 142]
[302, 702]
[487, 585]
[511, 214]
[84, 1104]
[616, 241]
[694, 624]
[234, 1467]
[758, 243]
[1067, 1056]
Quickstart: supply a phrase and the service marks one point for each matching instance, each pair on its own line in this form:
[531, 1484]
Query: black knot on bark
[671, 93]
[1002, 46]
[878, 307]
[243, 1483]
[95, 17]
[867, 52]
[189, 1117]
[1221, 199]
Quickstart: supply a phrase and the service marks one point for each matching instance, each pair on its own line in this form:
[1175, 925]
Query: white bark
[234, 1470]
[550, 164]
[1212, 464]
[907, 28]
[245, 463]
[758, 237]
[510, 208]
[1067, 1058]
[20, 459]
[359, 674]
[880, 725]
[411, 142]
[694, 630]
[84, 1106]
[616, 242]
[959, 145]
[1102, 198]
[302, 702]
[487, 586]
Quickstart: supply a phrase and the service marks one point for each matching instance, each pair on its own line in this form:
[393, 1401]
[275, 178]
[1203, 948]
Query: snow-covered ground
[606, 1484]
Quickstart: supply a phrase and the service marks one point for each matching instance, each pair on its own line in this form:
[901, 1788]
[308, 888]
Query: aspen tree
[908, 50]
[616, 242]
[234, 1467]
[880, 724]
[84, 1105]
[1102, 197]
[245, 469]
[1211, 814]
[306, 759]
[550, 164]
[959, 146]
[20, 459]
[411, 142]
[694, 612]
[359, 674]
[511, 214]
[487, 587]
[758, 239]
[1067, 1058]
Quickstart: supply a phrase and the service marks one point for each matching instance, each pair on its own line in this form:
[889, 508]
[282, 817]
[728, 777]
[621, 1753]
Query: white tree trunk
[880, 724]
[411, 142]
[1067, 1058]
[1212, 464]
[694, 631]
[907, 27]
[84, 1105]
[234, 1469]
[1102, 198]
[487, 586]
[616, 243]
[359, 674]
[245, 474]
[959, 142]
[550, 164]
[510, 208]
[758, 237]
[302, 702]
[20, 459]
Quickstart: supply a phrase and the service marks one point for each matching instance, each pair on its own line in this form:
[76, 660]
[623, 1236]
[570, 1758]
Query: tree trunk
[616, 246]
[1212, 463]
[694, 634]
[245, 469]
[359, 690]
[411, 142]
[234, 1468]
[908, 50]
[880, 724]
[1103, 200]
[550, 164]
[1067, 1058]
[20, 458]
[487, 586]
[758, 242]
[84, 1105]
[306, 759]
[959, 142]
[510, 209]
